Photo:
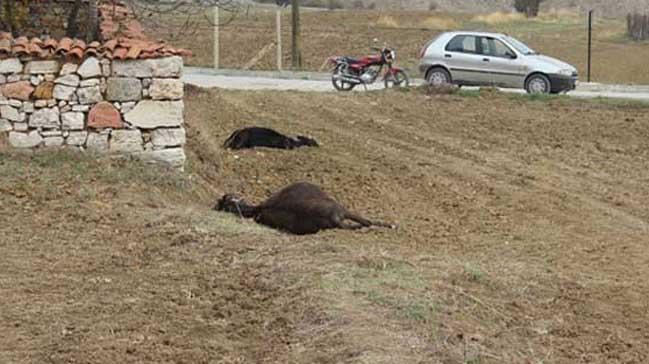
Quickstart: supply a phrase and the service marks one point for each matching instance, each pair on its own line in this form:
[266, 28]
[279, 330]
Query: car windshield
[520, 46]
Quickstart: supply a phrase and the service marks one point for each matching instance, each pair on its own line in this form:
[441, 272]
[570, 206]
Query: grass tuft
[474, 273]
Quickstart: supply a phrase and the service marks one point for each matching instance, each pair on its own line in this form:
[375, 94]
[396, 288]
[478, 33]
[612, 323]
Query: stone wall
[132, 107]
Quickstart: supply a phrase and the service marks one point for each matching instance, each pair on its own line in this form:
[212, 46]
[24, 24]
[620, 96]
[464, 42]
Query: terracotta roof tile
[76, 52]
[51, 44]
[21, 45]
[120, 53]
[5, 46]
[64, 46]
[130, 44]
[110, 45]
[34, 50]
[134, 52]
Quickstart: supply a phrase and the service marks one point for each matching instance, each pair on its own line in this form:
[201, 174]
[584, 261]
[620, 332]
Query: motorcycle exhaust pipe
[355, 81]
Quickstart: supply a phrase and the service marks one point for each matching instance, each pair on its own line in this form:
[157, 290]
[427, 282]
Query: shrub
[358, 4]
[638, 26]
[528, 7]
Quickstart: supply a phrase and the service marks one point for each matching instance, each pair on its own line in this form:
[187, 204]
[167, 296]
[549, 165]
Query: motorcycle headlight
[393, 55]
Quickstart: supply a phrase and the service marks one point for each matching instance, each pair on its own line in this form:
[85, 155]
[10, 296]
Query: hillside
[522, 238]
[604, 7]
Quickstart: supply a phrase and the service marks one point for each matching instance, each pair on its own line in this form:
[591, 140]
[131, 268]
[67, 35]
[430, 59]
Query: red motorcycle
[349, 72]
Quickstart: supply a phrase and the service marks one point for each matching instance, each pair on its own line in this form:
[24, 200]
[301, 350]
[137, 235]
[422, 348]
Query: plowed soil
[523, 233]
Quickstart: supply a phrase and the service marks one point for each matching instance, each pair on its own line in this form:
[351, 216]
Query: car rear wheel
[438, 77]
[538, 84]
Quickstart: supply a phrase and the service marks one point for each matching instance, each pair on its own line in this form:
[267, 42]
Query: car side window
[495, 48]
[463, 43]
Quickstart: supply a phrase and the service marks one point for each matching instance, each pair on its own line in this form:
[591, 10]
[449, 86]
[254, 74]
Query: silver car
[490, 59]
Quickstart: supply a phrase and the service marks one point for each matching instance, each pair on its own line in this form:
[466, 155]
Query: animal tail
[367, 223]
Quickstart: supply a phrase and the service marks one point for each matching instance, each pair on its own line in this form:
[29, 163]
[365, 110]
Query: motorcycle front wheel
[397, 79]
[336, 79]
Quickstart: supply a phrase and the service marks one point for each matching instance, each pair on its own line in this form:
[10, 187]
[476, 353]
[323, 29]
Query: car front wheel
[538, 84]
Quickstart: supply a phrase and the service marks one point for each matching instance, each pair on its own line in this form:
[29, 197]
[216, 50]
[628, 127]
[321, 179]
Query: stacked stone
[129, 107]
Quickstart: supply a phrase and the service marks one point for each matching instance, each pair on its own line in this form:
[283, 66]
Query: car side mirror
[511, 55]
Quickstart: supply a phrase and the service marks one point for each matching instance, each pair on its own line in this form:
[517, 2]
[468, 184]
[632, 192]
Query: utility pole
[590, 42]
[92, 24]
[295, 50]
[216, 37]
[279, 38]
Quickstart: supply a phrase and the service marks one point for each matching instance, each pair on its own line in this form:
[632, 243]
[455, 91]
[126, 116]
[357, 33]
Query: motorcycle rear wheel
[397, 79]
[339, 84]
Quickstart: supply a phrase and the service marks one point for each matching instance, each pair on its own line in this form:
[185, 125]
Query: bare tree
[73, 25]
[9, 22]
[80, 18]
[638, 26]
[189, 14]
[92, 25]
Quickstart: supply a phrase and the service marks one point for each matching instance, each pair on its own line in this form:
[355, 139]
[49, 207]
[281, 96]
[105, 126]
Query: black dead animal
[301, 208]
[264, 137]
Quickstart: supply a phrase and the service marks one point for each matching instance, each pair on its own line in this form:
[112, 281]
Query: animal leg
[347, 226]
[367, 223]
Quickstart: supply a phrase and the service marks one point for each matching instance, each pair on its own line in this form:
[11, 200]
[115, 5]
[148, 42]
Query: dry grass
[387, 21]
[552, 16]
[4, 142]
[438, 22]
[499, 17]
[522, 238]
[430, 22]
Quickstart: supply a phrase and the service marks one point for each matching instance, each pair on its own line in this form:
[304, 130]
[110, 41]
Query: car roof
[479, 34]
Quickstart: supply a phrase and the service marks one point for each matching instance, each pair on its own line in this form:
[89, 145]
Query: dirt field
[522, 238]
[559, 34]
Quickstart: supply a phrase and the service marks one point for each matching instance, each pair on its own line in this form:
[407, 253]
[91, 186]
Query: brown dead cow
[301, 208]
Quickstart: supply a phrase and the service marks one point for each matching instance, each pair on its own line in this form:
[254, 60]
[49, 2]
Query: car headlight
[566, 72]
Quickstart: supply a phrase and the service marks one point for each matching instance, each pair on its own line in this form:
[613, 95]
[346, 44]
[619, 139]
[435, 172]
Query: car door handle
[448, 56]
[486, 59]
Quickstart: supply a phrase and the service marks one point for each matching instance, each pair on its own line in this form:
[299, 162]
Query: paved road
[319, 82]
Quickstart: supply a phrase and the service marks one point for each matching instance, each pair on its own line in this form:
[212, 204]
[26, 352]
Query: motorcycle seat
[350, 60]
